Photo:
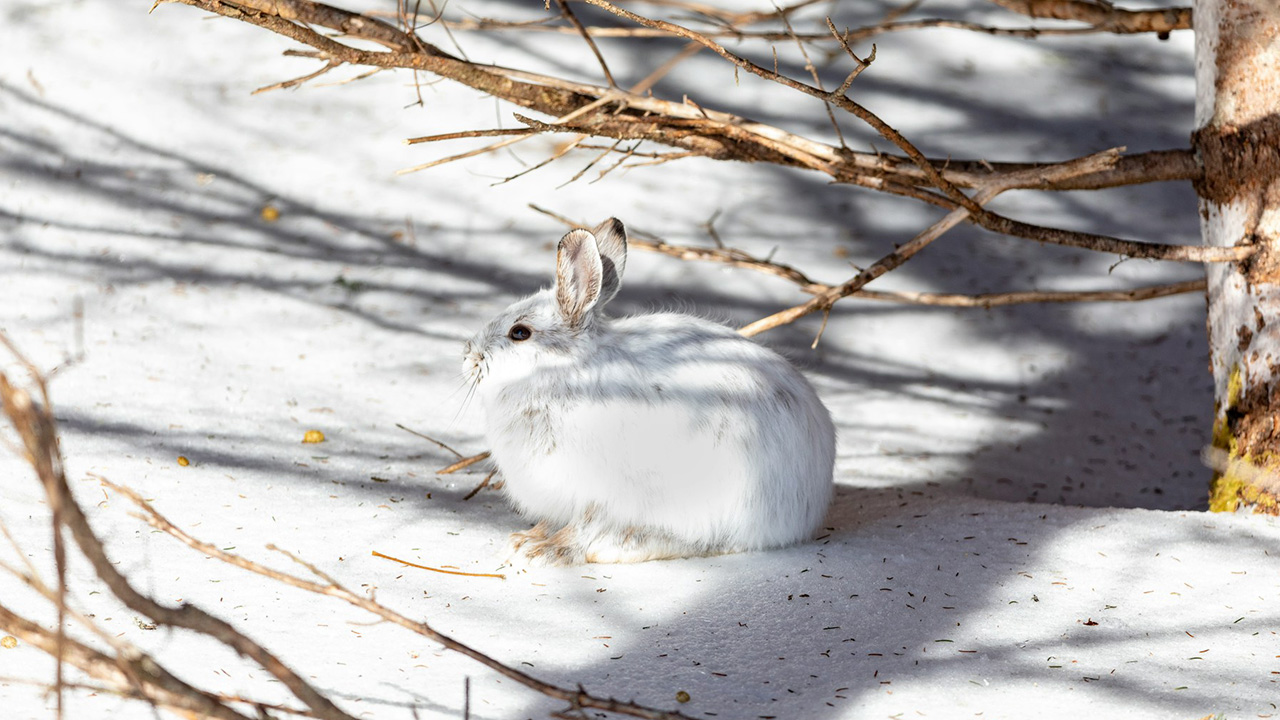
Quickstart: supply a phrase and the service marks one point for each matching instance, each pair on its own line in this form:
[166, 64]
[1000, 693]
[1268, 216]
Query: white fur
[647, 437]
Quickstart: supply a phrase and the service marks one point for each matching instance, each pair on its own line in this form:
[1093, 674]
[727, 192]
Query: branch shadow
[1128, 404]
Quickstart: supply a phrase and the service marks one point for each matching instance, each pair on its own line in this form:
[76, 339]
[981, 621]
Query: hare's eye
[520, 333]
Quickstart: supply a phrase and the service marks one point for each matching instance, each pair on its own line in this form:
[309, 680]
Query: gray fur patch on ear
[579, 276]
[611, 241]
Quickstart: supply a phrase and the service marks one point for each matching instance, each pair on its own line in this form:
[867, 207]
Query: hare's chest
[527, 431]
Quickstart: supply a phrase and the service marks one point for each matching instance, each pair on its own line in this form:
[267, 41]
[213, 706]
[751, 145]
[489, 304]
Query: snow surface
[1018, 529]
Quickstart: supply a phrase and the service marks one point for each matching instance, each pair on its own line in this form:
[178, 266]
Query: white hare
[648, 437]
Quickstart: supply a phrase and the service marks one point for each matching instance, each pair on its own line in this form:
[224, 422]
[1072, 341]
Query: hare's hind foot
[586, 541]
[636, 544]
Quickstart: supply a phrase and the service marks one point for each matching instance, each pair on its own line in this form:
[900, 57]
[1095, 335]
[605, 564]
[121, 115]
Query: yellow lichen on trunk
[1230, 493]
[1238, 486]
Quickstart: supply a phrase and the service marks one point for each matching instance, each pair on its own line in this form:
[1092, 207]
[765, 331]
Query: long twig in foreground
[138, 675]
[328, 586]
[33, 419]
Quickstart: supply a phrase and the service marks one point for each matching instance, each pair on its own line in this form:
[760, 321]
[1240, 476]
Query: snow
[1019, 523]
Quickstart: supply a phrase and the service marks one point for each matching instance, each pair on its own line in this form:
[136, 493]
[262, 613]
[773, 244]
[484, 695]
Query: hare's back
[672, 358]
[664, 342]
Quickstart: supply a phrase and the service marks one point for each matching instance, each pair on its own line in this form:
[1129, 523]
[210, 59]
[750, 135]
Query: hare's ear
[579, 276]
[611, 240]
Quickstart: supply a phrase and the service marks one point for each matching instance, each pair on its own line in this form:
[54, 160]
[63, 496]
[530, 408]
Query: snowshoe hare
[648, 437]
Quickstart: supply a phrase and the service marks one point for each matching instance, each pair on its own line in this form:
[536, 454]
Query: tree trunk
[1238, 141]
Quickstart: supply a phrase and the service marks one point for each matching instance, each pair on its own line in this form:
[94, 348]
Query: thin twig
[564, 149]
[591, 163]
[463, 463]
[429, 438]
[573, 20]
[817, 80]
[686, 52]
[300, 80]
[859, 63]
[468, 134]
[843, 102]
[439, 570]
[483, 484]
[510, 141]
[462, 156]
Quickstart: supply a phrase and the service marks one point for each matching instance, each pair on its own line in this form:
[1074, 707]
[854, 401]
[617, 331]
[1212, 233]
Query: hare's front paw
[536, 549]
[518, 540]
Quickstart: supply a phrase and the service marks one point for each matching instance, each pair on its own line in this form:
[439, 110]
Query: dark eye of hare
[519, 333]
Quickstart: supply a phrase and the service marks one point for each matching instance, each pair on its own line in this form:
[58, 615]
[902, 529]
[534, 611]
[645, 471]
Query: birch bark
[1238, 142]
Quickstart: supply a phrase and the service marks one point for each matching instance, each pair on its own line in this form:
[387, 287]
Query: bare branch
[1137, 24]
[957, 199]
[145, 677]
[349, 23]
[728, 138]
[859, 63]
[329, 587]
[902, 254]
[587, 110]
[36, 427]
[843, 102]
[739, 258]
[1103, 16]
[990, 300]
